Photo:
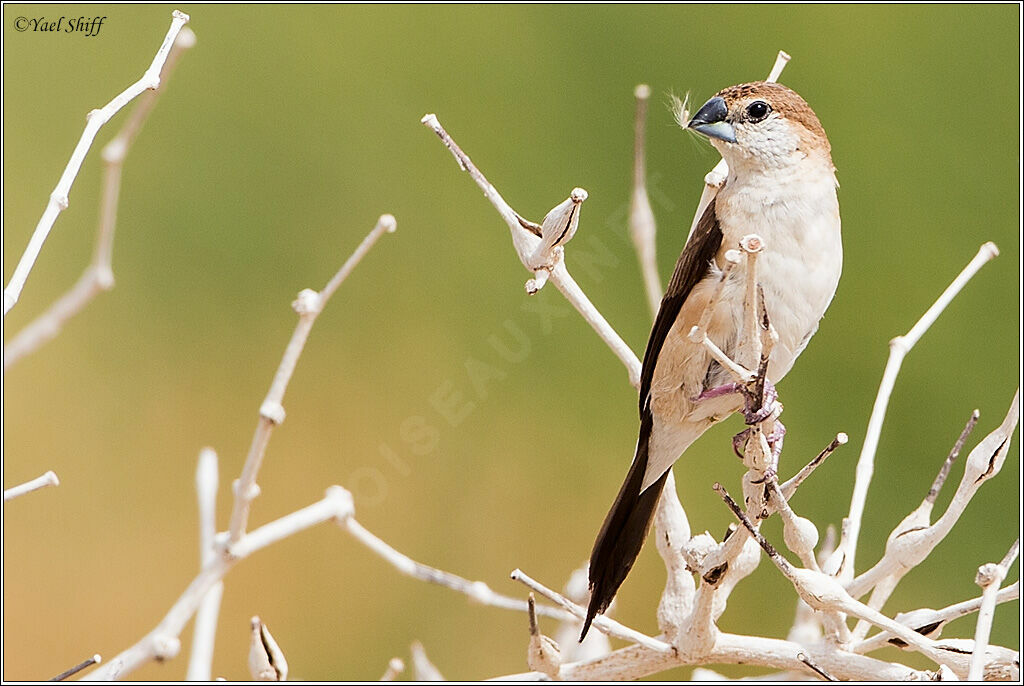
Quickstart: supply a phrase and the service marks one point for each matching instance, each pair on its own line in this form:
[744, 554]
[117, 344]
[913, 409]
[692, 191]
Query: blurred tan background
[284, 134]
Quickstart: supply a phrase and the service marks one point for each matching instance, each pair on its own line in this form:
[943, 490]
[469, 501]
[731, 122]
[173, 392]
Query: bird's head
[761, 125]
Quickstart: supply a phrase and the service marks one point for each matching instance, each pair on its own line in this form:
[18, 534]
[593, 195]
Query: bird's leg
[757, 409]
[719, 391]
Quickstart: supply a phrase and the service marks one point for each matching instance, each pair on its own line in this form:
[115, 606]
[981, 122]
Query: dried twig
[940, 478]
[99, 275]
[990, 576]
[642, 227]
[898, 349]
[929, 622]
[526, 238]
[96, 119]
[789, 488]
[94, 660]
[542, 655]
[422, 668]
[236, 544]
[915, 537]
[308, 306]
[47, 479]
[477, 591]
[266, 659]
[395, 667]
[601, 623]
[162, 643]
[204, 633]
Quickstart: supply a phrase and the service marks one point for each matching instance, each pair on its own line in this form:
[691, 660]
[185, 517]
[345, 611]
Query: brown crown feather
[782, 99]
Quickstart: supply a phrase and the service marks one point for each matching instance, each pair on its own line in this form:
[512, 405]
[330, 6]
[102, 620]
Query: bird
[781, 185]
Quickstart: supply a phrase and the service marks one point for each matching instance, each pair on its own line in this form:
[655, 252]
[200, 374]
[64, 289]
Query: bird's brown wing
[691, 267]
[625, 527]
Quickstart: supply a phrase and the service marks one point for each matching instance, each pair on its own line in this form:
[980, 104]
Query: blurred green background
[283, 135]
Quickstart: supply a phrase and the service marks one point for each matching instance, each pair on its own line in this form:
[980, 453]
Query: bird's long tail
[624, 529]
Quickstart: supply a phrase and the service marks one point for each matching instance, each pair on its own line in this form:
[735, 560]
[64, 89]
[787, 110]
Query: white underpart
[785, 191]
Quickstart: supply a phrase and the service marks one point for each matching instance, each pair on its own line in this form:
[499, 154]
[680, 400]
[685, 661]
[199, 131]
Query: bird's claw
[775, 440]
[739, 440]
[765, 405]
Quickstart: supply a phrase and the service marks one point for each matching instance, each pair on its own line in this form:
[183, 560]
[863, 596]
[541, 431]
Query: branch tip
[387, 222]
[954, 453]
[780, 63]
[94, 660]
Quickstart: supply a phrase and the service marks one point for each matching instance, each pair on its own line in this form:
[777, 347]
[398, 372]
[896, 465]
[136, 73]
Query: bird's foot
[740, 440]
[765, 405]
[775, 440]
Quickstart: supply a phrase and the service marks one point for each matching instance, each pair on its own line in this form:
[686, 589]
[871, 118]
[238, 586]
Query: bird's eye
[758, 110]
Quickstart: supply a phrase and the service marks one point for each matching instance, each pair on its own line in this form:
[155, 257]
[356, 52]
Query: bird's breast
[798, 219]
[798, 272]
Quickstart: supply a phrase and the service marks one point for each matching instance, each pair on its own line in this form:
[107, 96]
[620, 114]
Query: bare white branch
[395, 667]
[898, 349]
[990, 576]
[635, 661]
[163, 642]
[477, 591]
[308, 306]
[96, 119]
[542, 654]
[929, 622]
[672, 533]
[422, 668]
[642, 227]
[204, 633]
[526, 238]
[781, 60]
[601, 623]
[822, 592]
[915, 537]
[99, 275]
[47, 479]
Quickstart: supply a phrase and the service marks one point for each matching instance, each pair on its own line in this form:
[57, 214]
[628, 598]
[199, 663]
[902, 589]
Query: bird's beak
[710, 121]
